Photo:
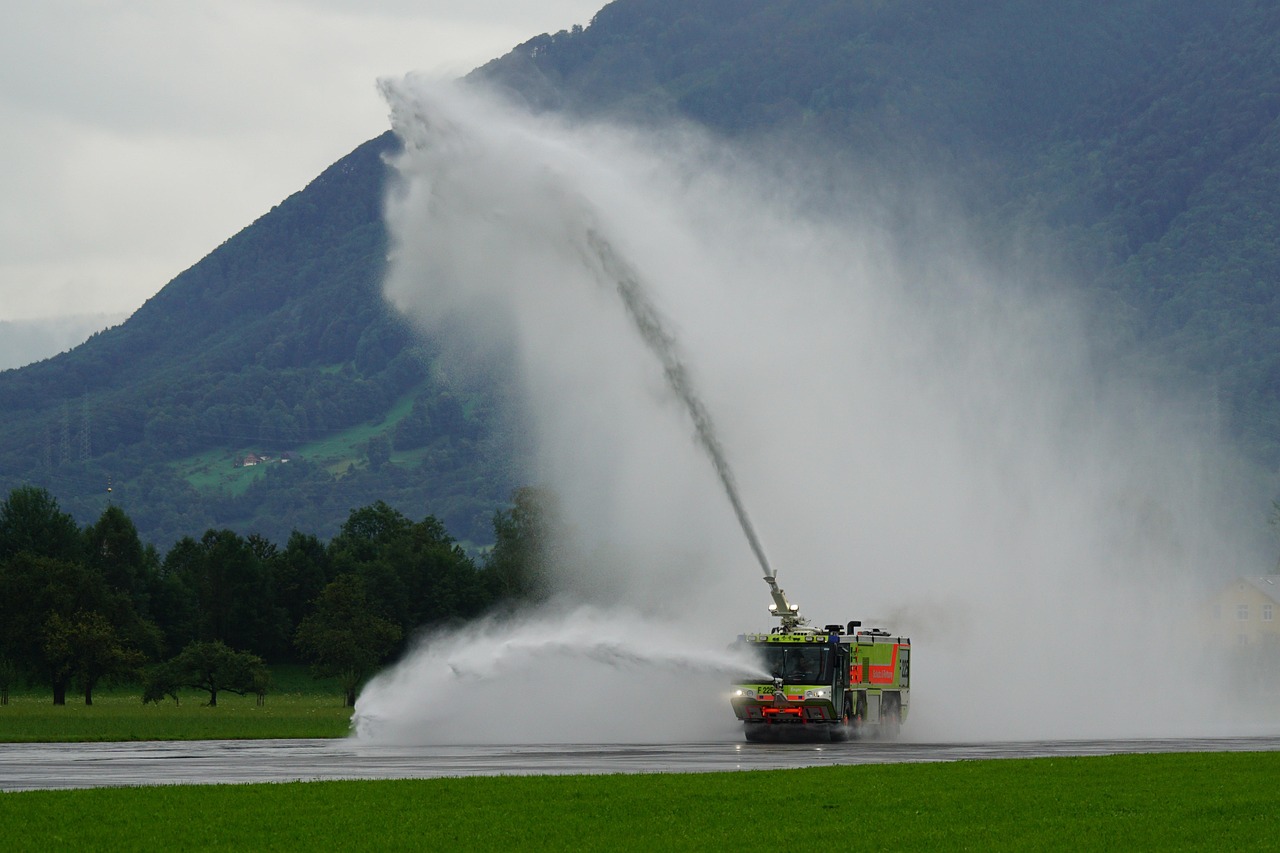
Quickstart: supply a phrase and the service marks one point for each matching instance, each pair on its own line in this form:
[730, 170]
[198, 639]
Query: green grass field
[1225, 801]
[212, 470]
[216, 469]
[1134, 802]
[297, 706]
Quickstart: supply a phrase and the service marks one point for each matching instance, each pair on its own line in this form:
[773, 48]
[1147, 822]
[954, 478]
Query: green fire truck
[828, 683]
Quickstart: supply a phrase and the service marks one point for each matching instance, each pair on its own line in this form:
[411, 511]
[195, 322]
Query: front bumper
[791, 710]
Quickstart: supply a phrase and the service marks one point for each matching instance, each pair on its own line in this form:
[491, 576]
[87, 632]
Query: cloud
[140, 135]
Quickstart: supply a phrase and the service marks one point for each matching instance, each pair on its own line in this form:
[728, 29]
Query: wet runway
[92, 765]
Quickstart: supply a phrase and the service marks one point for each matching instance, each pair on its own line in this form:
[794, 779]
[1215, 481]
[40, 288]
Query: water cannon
[786, 611]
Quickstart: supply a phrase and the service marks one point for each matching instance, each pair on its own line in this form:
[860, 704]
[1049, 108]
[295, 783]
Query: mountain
[1138, 140]
[1133, 141]
[267, 388]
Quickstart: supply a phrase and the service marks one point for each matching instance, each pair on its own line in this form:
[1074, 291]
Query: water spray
[513, 231]
[424, 126]
[615, 271]
[611, 674]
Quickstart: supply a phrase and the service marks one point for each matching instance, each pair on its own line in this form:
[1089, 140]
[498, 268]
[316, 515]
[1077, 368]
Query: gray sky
[140, 134]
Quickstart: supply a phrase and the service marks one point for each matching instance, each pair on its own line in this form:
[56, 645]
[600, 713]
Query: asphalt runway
[93, 765]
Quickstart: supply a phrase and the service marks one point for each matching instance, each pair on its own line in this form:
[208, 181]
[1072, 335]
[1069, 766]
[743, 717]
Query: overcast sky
[140, 134]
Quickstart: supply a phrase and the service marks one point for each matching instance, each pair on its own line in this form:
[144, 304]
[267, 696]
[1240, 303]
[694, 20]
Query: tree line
[83, 606]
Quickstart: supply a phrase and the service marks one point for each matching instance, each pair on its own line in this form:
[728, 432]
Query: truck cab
[832, 683]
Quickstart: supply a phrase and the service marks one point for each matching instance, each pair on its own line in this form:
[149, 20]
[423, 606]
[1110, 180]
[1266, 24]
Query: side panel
[883, 662]
[882, 670]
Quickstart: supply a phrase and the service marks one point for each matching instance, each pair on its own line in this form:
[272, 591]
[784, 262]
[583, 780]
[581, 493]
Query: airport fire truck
[828, 683]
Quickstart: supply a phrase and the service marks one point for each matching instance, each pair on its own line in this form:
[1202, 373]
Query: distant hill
[1136, 140]
[277, 346]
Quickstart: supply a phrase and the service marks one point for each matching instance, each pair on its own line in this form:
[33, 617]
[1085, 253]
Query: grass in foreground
[297, 707]
[1220, 801]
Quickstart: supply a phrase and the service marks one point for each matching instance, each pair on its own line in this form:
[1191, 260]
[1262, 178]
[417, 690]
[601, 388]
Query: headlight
[820, 693]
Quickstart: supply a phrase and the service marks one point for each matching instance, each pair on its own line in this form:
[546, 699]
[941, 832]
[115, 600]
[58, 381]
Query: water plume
[575, 675]
[648, 323]
[932, 445]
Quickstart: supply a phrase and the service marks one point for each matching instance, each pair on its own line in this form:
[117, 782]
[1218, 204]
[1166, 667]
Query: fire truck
[831, 683]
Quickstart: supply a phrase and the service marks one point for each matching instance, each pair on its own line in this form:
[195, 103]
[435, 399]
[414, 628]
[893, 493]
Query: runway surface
[93, 765]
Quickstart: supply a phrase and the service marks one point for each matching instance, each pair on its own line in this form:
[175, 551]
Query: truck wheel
[860, 716]
[755, 732]
[843, 729]
[890, 718]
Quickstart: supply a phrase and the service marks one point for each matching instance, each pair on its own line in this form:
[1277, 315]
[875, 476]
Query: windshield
[795, 664]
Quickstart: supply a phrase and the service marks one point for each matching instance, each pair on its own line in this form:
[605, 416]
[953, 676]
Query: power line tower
[84, 428]
[64, 445]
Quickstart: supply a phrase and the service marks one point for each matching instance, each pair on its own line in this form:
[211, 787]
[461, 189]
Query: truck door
[842, 679]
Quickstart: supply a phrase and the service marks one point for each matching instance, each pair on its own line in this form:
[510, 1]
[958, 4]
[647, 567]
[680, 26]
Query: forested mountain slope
[1138, 139]
[277, 349]
[1138, 136]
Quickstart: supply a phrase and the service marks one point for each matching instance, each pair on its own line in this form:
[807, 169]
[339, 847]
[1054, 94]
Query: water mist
[926, 444]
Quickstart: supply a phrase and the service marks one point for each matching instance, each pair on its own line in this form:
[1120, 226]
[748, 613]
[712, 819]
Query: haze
[139, 136]
[924, 439]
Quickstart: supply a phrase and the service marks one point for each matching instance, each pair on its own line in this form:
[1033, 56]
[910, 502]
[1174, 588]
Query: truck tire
[890, 716]
[755, 732]
[843, 729]
[860, 715]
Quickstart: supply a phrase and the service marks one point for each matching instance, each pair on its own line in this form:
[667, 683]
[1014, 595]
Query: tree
[175, 597]
[116, 552]
[228, 570]
[366, 531]
[523, 544]
[86, 648]
[361, 548]
[298, 574]
[59, 656]
[263, 548]
[8, 675]
[439, 581]
[413, 573]
[230, 588]
[344, 637]
[32, 522]
[414, 429]
[34, 589]
[209, 666]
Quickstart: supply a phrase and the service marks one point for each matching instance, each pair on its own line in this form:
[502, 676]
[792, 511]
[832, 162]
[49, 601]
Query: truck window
[799, 664]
